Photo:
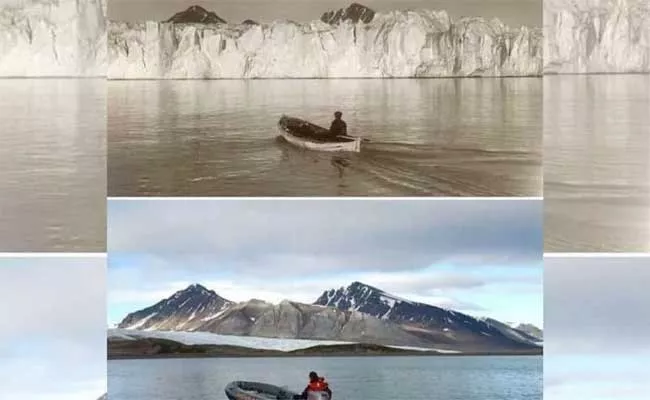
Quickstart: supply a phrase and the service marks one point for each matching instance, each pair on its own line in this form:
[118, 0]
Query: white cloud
[298, 290]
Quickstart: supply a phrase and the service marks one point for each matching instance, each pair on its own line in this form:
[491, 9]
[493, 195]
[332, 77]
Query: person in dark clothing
[316, 384]
[338, 127]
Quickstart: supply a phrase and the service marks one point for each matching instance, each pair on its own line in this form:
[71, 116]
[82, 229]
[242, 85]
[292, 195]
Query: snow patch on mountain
[143, 321]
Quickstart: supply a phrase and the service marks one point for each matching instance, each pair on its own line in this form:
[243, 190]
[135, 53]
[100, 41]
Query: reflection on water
[353, 378]
[437, 137]
[52, 165]
[597, 163]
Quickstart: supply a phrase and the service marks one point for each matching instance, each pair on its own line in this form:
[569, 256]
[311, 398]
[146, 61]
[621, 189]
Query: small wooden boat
[242, 390]
[304, 134]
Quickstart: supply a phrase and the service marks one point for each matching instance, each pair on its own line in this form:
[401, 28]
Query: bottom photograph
[325, 299]
[52, 341]
[597, 326]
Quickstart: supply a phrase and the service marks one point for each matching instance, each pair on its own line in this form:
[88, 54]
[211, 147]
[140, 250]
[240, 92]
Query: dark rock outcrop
[250, 22]
[355, 13]
[196, 15]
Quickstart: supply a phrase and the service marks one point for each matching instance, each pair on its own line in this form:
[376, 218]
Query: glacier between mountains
[596, 36]
[49, 38]
[422, 43]
[251, 342]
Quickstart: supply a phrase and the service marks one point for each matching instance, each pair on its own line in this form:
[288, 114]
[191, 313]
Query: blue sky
[596, 332]
[479, 257]
[53, 341]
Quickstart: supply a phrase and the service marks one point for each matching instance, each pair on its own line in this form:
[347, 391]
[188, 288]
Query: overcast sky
[481, 257]
[596, 343]
[53, 336]
[512, 12]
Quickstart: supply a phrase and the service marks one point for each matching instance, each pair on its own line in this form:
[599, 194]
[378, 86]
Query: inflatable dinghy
[242, 390]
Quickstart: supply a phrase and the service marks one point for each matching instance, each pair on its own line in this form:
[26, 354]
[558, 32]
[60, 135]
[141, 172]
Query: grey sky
[472, 256]
[596, 343]
[53, 338]
[512, 12]
[381, 235]
[597, 304]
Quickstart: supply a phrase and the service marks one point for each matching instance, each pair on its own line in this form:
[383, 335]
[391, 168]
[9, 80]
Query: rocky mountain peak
[194, 292]
[358, 296]
[196, 15]
[355, 12]
[181, 308]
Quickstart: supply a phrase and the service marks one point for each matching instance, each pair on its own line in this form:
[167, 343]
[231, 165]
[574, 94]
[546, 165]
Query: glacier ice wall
[48, 38]
[421, 43]
[596, 36]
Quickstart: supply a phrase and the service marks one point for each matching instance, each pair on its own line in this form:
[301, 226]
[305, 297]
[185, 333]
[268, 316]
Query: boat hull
[243, 390]
[310, 139]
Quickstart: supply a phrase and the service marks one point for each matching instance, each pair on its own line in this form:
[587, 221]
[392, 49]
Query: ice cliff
[41, 38]
[596, 36]
[420, 43]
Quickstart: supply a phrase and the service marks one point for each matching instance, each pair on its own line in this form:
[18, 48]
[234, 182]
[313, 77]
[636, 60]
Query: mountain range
[356, 313]
[199, 15]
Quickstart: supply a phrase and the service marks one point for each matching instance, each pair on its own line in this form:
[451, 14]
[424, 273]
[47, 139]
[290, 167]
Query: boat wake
[399, 168]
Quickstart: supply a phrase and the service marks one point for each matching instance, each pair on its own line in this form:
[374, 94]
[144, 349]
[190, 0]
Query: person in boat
[316, 386]
[338, 127]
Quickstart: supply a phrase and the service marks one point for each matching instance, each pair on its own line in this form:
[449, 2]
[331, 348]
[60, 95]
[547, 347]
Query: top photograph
[325, 98]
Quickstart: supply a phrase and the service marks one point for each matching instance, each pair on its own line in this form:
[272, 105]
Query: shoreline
[160, 349]
[155, 348]
[199, 355]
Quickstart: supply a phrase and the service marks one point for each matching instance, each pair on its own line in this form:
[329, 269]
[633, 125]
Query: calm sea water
[52, 165]
[351, 378]
[597, 163]
[438, 137]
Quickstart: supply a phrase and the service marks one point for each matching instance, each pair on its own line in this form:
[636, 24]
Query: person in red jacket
[317, 384]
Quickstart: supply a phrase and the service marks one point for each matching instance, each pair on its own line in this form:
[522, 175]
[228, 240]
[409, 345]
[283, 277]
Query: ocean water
[53, 165]
[428, 137]
[597, 163]
[351, 378]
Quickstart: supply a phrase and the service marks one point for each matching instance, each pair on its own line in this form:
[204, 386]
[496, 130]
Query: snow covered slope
[186, 309]
[421, 317]
[596, 36]
[46, 38]
[421, 43]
